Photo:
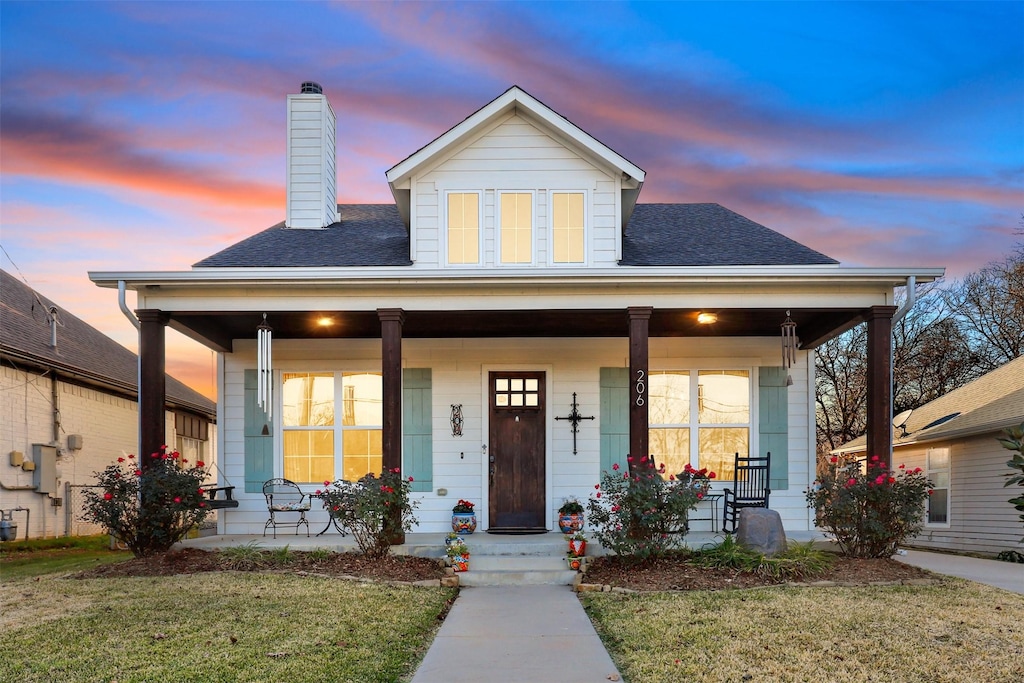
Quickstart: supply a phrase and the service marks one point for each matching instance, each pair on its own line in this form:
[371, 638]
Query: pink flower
[315, 494]
[177, 499]
[615, 467]
[327, 483]
[874, 458]
[629, 458]
[202, 504]
[700, 495]
[880, 479]
[411, 479]
[851, 482]
[108, 495]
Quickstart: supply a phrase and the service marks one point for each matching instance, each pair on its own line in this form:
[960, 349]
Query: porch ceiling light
[325, 321]
[707, 318]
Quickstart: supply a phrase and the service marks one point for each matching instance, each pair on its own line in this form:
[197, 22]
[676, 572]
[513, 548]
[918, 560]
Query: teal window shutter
[773, 423]
[417, 428]
[614, 418]
[259, 439]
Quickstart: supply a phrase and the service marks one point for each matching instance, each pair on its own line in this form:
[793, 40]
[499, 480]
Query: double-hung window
[568, 234]
[699, 418]
[937, 471]
[320, 445]
[516, 227]
[463, 227]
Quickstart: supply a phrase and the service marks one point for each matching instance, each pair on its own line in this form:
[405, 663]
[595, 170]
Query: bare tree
[989, 306]
[841, 389]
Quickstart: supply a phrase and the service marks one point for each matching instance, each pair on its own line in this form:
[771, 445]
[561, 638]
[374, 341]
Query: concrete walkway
[506, 634]
[1006, 575]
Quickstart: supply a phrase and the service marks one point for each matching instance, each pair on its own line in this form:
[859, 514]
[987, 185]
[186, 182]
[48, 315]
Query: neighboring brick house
[68, 407]
[514, 281]
[953, 439]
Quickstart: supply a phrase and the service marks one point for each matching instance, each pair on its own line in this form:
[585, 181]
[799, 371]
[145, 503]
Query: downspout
[896, 318]
[138, 362]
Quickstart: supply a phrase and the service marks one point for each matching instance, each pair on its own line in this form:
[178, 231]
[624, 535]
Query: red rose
[177, 499]
[615, 467]
[200, 463]
[120, 459]
[138, 473]
[711, 475]
[108, 495]
[131, 457]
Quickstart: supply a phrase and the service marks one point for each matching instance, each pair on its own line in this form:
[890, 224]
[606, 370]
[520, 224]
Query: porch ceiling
[218, 329]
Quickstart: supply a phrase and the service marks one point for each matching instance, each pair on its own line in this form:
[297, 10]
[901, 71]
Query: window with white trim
[709, 436]
[463, 218]
[316, 445]
[937, 466]
[516, 228]
[568, 233]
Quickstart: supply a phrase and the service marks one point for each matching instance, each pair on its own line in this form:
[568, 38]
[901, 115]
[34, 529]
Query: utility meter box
[44, 477]
[74, 442]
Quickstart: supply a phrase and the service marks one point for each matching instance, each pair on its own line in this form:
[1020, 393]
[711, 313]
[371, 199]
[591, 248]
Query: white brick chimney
[312, 194]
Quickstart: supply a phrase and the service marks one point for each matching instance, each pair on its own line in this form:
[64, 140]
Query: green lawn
[23, 559]
[955, 632]
[227, 626]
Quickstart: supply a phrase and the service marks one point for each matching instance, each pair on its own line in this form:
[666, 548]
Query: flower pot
[464, 522]
[574, 562]
[577, 548]
[460, 563]
[570, 524]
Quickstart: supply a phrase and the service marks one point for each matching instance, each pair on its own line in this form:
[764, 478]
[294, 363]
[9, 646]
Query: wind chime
[790, 344]
[264, 367]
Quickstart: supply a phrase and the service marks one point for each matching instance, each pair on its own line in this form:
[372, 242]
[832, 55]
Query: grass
[37, 557]
[224, 626]
[953, 632]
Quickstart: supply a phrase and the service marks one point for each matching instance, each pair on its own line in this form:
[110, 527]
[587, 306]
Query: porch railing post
[639, 323]
[879, 383]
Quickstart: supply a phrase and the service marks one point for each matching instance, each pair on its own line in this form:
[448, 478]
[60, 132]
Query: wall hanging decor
[457, 419]
[264, 367]
[575, 418]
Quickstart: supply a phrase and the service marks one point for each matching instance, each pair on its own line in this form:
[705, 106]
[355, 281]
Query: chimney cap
[311, 87]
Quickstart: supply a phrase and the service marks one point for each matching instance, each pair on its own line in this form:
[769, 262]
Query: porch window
[463, 227]
[708, 436]
[516, 227]
[316, 445]
[937, 470]
[567, 231]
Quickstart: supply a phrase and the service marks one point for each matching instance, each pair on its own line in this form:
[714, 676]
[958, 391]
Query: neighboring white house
[953, 439]
[68, 409]
[515, 273]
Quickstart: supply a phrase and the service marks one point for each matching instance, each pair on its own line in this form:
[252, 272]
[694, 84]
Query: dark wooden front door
[516, 450]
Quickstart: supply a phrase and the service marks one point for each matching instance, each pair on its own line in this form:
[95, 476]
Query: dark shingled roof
[368, 235]
[707, 235]
[82, 350]
[657, 235]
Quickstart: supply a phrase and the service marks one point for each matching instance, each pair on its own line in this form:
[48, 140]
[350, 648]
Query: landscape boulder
[760, 530]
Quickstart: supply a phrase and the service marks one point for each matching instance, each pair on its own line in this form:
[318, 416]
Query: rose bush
[870, 510]
[639, 514]
[148, 511]
[372, 509]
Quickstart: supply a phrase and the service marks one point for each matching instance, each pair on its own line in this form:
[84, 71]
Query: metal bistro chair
[285, 496]
[749, 489]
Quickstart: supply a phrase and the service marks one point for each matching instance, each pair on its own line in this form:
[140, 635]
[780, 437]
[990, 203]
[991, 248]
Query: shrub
[799, 561]
[371, 509]
[870, 512]
[148, 511]
[638, 514]
[1014, 441]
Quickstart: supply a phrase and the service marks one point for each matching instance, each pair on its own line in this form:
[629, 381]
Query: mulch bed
[671, 573]
[675, 573]
[192, 561]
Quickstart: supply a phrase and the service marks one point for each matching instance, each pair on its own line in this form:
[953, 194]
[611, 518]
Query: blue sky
[148, 135]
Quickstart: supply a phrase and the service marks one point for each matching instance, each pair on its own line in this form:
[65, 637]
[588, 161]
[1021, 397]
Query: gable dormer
[515, 185]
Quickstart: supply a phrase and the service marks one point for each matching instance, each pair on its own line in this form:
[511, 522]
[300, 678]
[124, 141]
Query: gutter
[138, 362]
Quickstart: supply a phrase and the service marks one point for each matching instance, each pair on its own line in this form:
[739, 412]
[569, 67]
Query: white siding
[980, 518]
[514, 155]
[459, 369]
[311, 181]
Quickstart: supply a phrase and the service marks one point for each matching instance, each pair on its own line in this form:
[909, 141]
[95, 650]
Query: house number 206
[641, 387]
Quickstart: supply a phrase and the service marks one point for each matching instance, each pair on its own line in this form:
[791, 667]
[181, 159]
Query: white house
[68, 408]
[514, 278]
[953, 439]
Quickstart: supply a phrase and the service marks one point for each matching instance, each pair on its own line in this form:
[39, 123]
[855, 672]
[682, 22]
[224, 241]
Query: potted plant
[575, 563]
[463, 517]
[457, 552]
[570, 516]
[577, 544]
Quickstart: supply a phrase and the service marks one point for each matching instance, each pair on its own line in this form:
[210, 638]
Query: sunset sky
[149, 135]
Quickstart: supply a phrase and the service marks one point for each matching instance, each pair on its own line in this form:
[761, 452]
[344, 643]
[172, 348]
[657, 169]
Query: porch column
[879, 384]
[391, 320]
[152, 383]
[639, 321]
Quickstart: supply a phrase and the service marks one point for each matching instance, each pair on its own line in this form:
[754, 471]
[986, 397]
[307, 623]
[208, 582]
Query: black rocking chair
[285, 496]
[749, 489]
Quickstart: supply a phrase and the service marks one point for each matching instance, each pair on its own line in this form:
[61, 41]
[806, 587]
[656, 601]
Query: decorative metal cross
[575, 418]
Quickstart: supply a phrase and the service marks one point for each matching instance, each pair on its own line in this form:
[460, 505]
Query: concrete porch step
[477, 577]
